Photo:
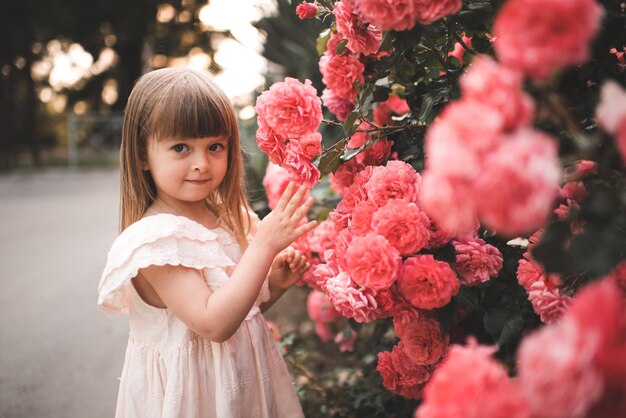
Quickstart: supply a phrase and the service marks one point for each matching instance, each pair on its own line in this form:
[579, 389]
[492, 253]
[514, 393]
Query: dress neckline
[219, 226]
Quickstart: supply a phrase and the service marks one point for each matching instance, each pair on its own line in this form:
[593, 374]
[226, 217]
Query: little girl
[191, 264]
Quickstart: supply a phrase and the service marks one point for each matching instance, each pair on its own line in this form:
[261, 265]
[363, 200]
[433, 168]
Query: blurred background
[66, 69]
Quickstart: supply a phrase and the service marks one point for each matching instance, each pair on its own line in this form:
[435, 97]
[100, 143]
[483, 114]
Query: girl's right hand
[282, 225]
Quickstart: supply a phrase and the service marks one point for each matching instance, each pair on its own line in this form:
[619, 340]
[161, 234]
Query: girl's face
[187, 171]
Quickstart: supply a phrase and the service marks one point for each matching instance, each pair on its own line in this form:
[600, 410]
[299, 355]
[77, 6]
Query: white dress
[171, 372]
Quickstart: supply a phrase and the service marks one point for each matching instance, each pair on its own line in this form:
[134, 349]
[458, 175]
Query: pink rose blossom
[600, 311]
[427, 283]
[450, 202]
[547, 302]
[310, 145]
[611, 113]
[400, 375]
[556, 34]
[362, 37]
[519, 183]
[322, 238]
[404, 318]
[353, 195]
[396, 180]
[344, 176]
[350, 301]
[372, 262]
[469, 383]
[324, 331]
[438, 237]
[400, 15]
[306, 10]
[275, 182]
[427, 11]
[338, 106]
[455, 143]
[497, 86]
[271, 143]
[301, 168]
[324, 271]
[372, 154]
[403, 224]
[556, 371]
[423, 342]
[476, 261]
[580, 170]
[361, 221]
[574, 190]
[392, 106]
[291, 108]
[340, 73]
[320, 308]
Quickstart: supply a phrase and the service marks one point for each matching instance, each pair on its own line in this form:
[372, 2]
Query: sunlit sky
[70, 66]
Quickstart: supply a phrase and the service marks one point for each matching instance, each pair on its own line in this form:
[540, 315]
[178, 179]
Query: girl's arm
[217, 315]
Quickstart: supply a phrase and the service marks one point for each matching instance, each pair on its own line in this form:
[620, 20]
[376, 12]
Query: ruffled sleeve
[156, 240]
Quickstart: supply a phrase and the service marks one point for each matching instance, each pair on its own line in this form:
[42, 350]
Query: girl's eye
[216, 147]
[180, 148]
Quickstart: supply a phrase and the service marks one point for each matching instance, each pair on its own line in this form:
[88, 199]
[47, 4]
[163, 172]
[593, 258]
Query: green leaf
[468, 298]
[341, 46]
[445, 316]
[322, 41]
[504, 324]
[330, 159]
[348, 126]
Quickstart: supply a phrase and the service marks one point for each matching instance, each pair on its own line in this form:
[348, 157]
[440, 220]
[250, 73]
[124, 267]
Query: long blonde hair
[180, 103]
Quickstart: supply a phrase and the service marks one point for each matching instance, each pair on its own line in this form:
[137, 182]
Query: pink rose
[427, 11]
[343, 177]
[291, 108]
[519, 183]
[574, 190]
[423, 342]
[301, 168]
[390, 107]
[372, 262]
[547, 302]
[340, 73]
[320, 308]
[611, 113]
[476, 261]
[556, 371]
[271, 143]
[400, 15]
[580, 169]
[361, 221]
[450, 202]
[497, 86]
[338, 106]
[427, 283]
[556, 34]
[469, 383]
[306, 10]
[403, 224]
[322, 238]
[438, 237]
[275, 182]
[310, 145]
[400, 374]
[396, 180]
[362, 37]
[350, 301]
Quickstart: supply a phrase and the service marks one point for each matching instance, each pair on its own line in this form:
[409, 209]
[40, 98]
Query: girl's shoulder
[162, 239]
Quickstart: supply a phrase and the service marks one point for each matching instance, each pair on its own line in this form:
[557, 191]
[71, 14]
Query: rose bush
[475, 162]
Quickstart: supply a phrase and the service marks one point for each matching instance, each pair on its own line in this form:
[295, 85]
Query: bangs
[190, 107]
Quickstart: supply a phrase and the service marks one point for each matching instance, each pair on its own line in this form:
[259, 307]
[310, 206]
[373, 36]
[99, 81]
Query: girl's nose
[201, 162]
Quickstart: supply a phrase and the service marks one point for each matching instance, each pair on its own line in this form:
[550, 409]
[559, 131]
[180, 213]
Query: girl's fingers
[303, 209]
[307, 227]
[285, 197]
[295, 202]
